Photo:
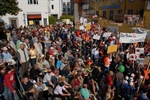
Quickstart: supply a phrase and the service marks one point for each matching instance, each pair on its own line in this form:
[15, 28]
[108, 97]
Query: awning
[34, 16]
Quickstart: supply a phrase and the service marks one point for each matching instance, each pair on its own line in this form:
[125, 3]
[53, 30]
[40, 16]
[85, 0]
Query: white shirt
[48, 76]
[93, 51]
[58, 90]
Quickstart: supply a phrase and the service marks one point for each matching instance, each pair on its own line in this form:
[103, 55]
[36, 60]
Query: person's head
[110, 73]
[145, 90]
[10, 68]
[27, 41]
[32, 47]
[22, 39]
[2, 69]
[61, 84]
[62, 79]
[35, 66]
[25, 79]
[49, 70]
[5, 49]
[22, 46]
[8, 44]
[84, 85]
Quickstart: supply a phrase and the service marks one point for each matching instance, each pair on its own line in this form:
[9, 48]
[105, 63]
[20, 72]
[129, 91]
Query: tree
[9, 7]
[52, 20]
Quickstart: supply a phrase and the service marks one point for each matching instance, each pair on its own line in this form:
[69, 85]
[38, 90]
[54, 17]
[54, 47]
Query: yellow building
[109, 8]
[147, 14]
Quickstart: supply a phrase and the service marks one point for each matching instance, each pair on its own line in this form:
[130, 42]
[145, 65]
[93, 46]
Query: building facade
[146, 17]
[33, 12]
[109, 8]
[66, 6]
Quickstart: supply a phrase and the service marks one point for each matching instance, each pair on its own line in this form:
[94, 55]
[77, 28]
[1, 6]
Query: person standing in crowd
[9, 83]
[33, 55]
[2, 72]
[23, 57]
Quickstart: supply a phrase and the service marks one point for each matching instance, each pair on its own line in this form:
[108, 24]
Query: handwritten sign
[107, 34]
[132, 37]
[96, 37]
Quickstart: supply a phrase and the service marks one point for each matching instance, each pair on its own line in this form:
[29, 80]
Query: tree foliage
[52, 20]
[66, 17]
[9, 7]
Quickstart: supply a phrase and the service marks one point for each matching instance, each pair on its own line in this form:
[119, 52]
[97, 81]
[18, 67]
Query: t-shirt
[58, 90]
[85, 93]
[27, 86]
[58, 64]
[47, 77]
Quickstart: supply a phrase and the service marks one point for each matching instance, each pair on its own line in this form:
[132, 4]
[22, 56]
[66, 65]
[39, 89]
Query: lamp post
[24, 19]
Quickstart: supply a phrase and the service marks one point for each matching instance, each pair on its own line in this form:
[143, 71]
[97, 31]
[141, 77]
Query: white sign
[107, 34]
[132, 57]
[81, 27]
[132, 37]
[96, 37]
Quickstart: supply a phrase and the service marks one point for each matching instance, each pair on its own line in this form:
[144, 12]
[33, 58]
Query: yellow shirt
[32, 53]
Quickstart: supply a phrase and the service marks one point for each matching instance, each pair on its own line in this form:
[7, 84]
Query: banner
[132, 37]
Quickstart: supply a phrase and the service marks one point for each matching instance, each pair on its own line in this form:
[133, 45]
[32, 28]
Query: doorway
[13, 23]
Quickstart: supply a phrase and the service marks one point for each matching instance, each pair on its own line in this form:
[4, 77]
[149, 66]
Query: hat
[141, 77]
[4, 48]
[42, 55]
[12, 62]
[52, 48]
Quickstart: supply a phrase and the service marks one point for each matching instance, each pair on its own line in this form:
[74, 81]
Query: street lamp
[24, 19]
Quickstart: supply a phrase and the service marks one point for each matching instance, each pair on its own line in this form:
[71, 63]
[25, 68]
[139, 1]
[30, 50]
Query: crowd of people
[58, 62]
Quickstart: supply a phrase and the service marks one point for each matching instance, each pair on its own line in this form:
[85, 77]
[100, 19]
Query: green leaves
[9, 7]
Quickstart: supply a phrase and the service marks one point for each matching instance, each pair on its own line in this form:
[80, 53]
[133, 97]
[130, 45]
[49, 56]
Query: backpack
[1, 84]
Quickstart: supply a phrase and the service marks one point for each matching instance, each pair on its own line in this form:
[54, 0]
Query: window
[64, 4]
[148, 5]
[120, 1]
[32, 1]
[112, 1]
[111, 14]
[130, 11]
[52, 6]
[97, 2]
[119, 11]
[68, 3]
[104, 1]
[131, 0]
[68, 9]
[104, 14]
[64, 9]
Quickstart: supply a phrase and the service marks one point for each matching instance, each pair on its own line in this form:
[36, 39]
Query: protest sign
[142, 50]
[107, 34]
[132, 37]
[146, 60]
[96, 37]
[132, 57]
[112, 49]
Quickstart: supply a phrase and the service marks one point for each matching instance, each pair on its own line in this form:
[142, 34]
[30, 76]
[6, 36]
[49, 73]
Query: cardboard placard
[112, 49]
[146, 60]
[107, 34]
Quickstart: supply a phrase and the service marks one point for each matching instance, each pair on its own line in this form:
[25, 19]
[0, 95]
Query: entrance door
[14, 23]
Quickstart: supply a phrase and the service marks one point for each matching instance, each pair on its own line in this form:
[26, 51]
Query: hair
[32, 46]
[2, 66]
[61, 84]
[9, 67]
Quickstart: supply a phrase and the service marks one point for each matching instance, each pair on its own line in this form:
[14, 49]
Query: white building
[34, 12]
[66, 7]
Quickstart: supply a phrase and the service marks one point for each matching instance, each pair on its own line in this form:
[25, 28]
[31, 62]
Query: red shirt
[109, 80]
[9, 80]
[50, 52]
[76, 82]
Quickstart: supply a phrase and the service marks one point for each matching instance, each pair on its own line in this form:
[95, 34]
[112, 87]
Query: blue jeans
[106, 70]
[8, 95]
